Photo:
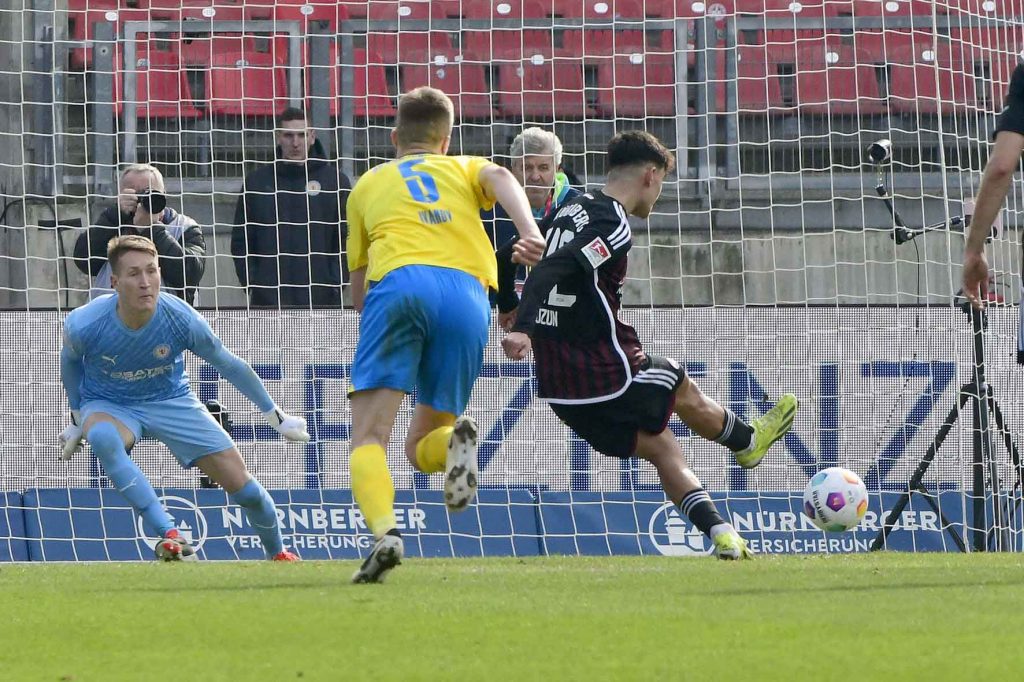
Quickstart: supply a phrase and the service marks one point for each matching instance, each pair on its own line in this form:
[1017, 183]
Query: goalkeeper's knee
[106, 441]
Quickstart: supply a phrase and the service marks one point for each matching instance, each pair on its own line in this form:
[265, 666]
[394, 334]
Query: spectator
[290, 223]
[142, 209]
[536, 162]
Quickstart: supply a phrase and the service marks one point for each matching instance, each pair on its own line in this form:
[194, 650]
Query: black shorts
[611, 427]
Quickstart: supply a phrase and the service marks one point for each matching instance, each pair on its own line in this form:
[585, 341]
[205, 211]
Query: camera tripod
[983, 462]
[984, 408]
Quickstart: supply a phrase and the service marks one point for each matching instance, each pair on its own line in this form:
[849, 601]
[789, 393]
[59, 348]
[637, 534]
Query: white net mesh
[768, 266]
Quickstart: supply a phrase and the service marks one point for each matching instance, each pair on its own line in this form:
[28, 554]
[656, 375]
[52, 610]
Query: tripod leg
[1011, 447]
[1008, 441]
[966, 393]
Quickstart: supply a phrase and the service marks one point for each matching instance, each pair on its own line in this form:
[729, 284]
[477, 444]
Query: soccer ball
[835, 499]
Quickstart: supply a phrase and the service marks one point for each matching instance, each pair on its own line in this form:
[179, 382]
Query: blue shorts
[183, 424]
[423, 328]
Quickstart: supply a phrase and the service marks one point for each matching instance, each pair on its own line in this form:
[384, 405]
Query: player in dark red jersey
[591, 366]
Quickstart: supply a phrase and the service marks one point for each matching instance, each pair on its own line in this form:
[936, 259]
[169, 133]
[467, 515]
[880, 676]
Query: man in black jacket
[290, 223]
[142, 209]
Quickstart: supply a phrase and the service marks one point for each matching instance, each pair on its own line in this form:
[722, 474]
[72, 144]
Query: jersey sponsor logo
[548, 318]
[139, 374]
[162, 352]
[672, 535]
[597, 252]
[313, 187]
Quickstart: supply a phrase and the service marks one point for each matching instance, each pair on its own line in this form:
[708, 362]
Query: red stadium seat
[505, 44]
[606, 43]
[913, 72]
[162, 90]
[756, 88]
[369, 84]
[246, 83]
[396, 48]
[356, 9]
[539, 86]
[798, 8]
[637, 86]
[897, 8]
[829, 79]
[464, 82]
[82, 27]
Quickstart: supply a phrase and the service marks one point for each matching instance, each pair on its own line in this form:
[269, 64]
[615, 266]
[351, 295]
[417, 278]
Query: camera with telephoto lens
[151, 201]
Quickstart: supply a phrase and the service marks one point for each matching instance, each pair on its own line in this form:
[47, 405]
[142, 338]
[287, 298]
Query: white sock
[720, 528]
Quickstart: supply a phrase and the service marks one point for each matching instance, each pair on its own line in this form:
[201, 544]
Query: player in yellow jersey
[421, 267]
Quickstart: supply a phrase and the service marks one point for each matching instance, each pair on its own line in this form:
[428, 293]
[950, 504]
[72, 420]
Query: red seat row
[83, 15]
[241, 80]
[820, 80]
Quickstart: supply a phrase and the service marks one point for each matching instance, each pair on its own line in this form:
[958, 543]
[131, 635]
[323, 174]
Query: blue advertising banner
[12, 528]
[90, 524]
[772, 522]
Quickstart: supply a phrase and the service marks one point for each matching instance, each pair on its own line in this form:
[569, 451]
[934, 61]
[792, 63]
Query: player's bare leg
[748, 442]
[684, 489]
[373, 418]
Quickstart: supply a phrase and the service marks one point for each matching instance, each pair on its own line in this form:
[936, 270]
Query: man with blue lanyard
[536, 158]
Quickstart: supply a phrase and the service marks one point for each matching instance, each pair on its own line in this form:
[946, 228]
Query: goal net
[771, 264]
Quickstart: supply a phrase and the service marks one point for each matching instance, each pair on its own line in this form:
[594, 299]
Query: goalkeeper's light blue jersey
[103, 359]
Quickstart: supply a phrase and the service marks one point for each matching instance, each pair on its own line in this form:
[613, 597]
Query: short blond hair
[118, 246]
[425, 116]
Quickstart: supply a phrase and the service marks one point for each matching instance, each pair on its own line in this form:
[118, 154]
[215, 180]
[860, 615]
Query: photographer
[142, 209]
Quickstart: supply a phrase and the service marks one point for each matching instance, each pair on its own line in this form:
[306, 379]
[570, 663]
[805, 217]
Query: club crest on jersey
[596, 252]
[313, 187]
[162, 351]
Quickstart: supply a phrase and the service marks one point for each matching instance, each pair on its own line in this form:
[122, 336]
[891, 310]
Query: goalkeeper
[123, 369]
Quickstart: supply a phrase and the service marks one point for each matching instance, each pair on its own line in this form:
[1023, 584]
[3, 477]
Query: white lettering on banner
[326, 519]
[306, 541]
[834, 545]
[789, 522]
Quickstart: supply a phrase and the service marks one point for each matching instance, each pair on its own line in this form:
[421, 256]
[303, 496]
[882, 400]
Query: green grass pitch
[868, 617]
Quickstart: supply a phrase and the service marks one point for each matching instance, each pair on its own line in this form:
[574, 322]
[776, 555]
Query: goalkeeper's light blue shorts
[423, 328]
[183, 424]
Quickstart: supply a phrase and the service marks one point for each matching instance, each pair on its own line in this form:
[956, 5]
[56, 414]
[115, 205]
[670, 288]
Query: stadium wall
[780, 255]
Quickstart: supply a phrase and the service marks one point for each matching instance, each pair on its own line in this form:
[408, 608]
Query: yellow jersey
[421, 209]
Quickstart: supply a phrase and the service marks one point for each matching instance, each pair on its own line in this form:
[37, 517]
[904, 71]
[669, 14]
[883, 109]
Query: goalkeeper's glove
[71, 438]
[292, 428]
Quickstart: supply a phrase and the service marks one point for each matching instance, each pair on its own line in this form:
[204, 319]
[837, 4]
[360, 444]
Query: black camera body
[152, 202]
[880, 152]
